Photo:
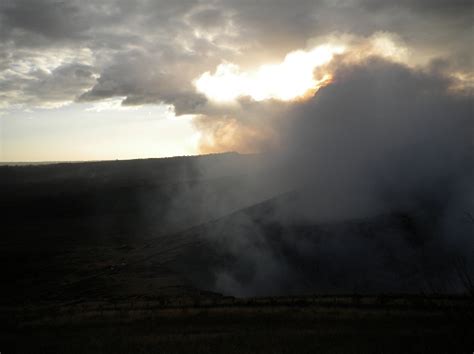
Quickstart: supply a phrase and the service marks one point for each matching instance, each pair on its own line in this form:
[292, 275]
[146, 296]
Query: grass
[301, 325]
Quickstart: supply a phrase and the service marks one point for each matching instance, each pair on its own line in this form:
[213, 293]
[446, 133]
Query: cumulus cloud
[181, 40]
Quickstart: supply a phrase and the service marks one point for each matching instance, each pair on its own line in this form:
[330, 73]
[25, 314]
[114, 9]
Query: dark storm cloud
[141, 79]
[63, 83]
[442, 26]
[29, 21]
[442, 6]
[48, 88]
[182, 39]
[208, 18]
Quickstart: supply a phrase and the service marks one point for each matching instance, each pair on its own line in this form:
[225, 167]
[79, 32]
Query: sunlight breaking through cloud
[291, 79]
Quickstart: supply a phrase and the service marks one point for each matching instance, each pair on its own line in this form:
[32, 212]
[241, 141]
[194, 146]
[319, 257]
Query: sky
[120, 79]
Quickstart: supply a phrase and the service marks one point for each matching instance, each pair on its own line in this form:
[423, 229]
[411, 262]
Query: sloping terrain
[263, 250]
[172, 227]
[67, 227]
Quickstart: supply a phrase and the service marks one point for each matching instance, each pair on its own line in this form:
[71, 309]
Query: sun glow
[291, 79]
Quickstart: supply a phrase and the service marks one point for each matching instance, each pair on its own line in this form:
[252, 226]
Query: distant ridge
[34, 163]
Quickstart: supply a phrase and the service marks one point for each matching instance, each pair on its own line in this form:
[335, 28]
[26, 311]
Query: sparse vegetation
[329, 324]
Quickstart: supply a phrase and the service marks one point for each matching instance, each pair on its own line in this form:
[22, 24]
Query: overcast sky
[115, 79]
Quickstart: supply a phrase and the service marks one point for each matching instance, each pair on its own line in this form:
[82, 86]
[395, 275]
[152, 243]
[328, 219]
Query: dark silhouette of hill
[177, 226]
[64, 222]
[264, 250]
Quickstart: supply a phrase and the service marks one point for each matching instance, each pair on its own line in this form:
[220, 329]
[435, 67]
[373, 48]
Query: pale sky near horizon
[80, 132]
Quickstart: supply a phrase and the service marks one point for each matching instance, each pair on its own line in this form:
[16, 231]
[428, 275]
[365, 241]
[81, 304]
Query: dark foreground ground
[132, 256]
[329, 324]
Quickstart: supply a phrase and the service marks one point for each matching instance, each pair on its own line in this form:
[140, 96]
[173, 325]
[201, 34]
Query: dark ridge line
[181, 233]
[21, 164]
